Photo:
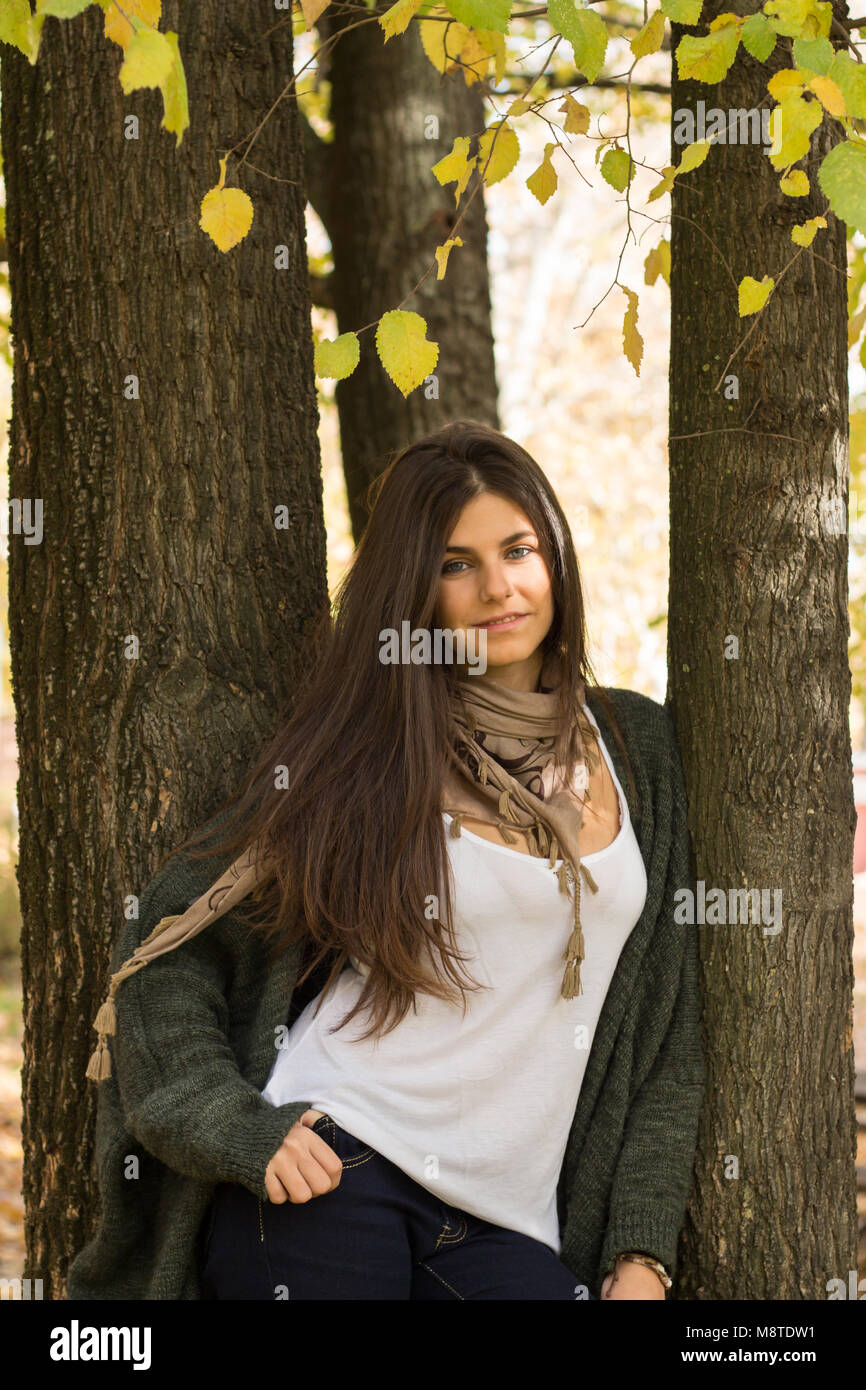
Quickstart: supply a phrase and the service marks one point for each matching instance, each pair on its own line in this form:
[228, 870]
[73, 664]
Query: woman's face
[493, 569]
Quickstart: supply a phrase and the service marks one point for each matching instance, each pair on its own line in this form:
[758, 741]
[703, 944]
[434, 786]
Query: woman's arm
[180, 1086]
[654, 1171]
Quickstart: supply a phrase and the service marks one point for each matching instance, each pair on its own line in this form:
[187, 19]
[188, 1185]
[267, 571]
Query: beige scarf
[501, 755]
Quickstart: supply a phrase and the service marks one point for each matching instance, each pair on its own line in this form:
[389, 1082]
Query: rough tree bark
[161, 623]
[764, 734]
[385, 214]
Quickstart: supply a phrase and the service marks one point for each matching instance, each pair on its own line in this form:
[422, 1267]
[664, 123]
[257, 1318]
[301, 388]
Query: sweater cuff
[635, 1228]
[261, 1137]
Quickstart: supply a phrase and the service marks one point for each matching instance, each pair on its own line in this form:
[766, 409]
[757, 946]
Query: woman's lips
[504, 624]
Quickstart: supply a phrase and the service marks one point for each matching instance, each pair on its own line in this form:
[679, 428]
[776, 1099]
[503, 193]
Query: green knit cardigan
[195, 1045]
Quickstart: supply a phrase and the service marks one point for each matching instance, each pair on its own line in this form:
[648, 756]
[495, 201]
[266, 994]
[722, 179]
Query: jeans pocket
[351, 1151]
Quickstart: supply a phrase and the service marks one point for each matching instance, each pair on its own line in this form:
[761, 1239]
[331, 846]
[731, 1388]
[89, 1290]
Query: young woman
[469, 1065]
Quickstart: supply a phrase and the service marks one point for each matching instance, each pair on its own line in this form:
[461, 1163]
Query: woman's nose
[495, 583]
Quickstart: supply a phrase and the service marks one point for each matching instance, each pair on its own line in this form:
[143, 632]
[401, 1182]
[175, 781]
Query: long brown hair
[347, 795]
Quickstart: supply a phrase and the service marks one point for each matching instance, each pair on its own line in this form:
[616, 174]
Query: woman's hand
[630, 1280]
[304, 1166]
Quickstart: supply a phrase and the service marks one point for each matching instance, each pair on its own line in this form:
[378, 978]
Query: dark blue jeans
[378, 1235]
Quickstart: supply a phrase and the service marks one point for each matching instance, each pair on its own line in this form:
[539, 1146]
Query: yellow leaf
[707, 57]
[174, 94]
[504, 152]
[804, 234]
[795, 184]
[542, 183]
[474, 59]
[148, 61]
[118, 28]
[226, 213]
[753, 294]
[723, 19]
[519, 105]
[311, 10]
[455, 167]
[403, 349]
[576, 116]
[494, 44]
[785, 81]
[666, 184]
[791, 125]
[693, 155]
[338, 357]
[631, 340]
[442, 42]
[650, 37]
[442, 254]
[658, 262]
[829, 95]
[393, 21]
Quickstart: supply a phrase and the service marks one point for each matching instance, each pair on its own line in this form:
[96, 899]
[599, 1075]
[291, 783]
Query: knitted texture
[197, 1027]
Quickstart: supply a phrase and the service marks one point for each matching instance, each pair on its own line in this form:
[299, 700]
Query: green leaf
[683, 11]
[708, 57]
[20, 27]
[481, 14]
[842, 178]
[850, 78]
[61, 9]
[758, 37]
[586, 32]
[174, 94]
[337, 357]
[617, 168]
[815, 55]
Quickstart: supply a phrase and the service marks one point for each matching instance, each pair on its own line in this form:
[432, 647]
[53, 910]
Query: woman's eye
[446, 568]
[527, 548]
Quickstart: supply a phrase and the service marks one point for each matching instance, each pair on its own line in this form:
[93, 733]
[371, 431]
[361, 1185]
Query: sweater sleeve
[654, 1170]
[183, 1095]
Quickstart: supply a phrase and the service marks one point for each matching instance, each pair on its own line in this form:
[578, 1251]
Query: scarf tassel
[575, 950]
[105, 1023]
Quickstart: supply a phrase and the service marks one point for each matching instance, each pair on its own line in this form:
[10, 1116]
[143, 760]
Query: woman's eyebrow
[509, 540]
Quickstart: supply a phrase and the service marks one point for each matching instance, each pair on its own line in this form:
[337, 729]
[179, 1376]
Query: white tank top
[438, 1096]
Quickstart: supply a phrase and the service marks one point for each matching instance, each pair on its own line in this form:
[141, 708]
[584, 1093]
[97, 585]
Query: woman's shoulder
[632, 707]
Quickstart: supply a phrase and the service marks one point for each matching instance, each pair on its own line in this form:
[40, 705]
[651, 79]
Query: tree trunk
[765, 739]
[159, 626]
[385, 214]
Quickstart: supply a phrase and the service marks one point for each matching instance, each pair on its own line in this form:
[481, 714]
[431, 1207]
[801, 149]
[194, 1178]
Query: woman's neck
[519, 675]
